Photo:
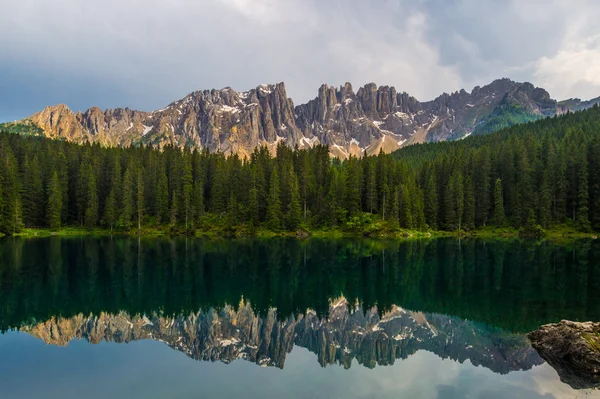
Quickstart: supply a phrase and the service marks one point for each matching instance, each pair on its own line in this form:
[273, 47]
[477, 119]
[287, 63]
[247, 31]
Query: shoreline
[555, 234]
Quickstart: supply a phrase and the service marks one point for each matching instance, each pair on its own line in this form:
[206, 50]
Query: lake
[178, 318]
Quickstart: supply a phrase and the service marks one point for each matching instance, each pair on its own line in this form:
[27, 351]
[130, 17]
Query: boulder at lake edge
[572, 349]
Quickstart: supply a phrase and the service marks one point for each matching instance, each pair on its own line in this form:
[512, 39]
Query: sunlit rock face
[350, 122]
[345, 334]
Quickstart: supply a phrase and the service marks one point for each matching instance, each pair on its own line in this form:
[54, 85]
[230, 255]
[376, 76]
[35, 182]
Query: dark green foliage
[548, 168]
[499, 216]
[54, 207]
[514, 285]
[504, 117]
[274, 213]
[293, 216]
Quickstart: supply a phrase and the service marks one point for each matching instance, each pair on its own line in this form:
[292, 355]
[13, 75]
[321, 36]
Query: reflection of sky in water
[31, 369]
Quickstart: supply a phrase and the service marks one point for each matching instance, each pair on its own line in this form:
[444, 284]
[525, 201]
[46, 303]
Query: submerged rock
[572, 349]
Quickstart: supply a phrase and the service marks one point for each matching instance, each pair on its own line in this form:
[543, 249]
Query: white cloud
[144, 54]
[574, 71]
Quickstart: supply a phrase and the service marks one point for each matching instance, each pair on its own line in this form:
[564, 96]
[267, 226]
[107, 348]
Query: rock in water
[572, 349]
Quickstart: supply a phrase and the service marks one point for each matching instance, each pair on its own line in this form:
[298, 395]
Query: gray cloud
[144, 54]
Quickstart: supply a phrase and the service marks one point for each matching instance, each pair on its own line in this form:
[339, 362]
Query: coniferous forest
[541, 174]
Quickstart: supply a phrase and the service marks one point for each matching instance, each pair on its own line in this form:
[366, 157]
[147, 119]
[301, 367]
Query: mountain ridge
[344, 336]
[371, 119]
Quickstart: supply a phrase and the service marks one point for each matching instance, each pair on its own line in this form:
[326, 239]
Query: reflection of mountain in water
[516, 286]
[230, 334]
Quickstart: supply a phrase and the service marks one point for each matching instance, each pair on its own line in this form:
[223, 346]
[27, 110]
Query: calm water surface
[121, 317]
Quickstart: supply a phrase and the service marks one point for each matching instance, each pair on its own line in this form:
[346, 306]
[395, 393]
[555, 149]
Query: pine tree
[371, 188]
[594, 182]
[454, 201]
[110, 209]
[482, 187]
[139, 203]
[91, 197]
[219, 190]
[33, 193]
[11, 221]
[162, 199]
[418, 208]
[499, 219]
[232, 210]
[394, 213]
[294, 213]
[469, 204]
[405, 206]
[431, 201]
[198, 202]
[583, 221]
[127, 200]
[253, 207]
[54, 207]
[545, 201]
[187, 190]
[174, 211]
[352, 187]
[274, 214]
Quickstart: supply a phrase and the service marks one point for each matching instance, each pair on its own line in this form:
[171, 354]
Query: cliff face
[369, 120]
[372, 340]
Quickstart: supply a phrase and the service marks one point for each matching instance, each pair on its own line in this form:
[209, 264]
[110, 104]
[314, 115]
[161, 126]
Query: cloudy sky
[146, 53]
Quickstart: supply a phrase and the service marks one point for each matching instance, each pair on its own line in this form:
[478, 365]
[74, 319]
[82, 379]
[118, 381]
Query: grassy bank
[557, 233]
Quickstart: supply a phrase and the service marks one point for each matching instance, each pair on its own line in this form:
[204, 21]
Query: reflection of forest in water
[512, 285]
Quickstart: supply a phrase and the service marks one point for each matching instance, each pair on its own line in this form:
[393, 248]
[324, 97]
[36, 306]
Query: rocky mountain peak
[345, 334]
[372, 119]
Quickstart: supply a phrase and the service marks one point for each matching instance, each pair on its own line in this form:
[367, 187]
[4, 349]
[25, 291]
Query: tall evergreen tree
[54, 207]
[469, 204]
[499, 218]
[274, 213]
[187, 191]
[293, 216]
[162, 198]
[431, 201]
[352, 187]
[545, 202]
[139, 203]
[127, 200]
[91, 197]
[454, 201]
[583, 221]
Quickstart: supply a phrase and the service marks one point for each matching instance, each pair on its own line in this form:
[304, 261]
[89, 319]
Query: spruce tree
[431, 201]
[54, 207]
[274, 213]
[469, 205]
[11, 221]
[139, 203]
[545, 200]
[253, 207]
[371, 188]
[127, 200]
[187, 190]
[499, 218]
[91, 198]
[352, 187]
[394, 212]
[162, 199]
[198, 202]
[454, 201]
[294, 212]
[110, 209]
[406, 216]
[174, 211]
[583, 221]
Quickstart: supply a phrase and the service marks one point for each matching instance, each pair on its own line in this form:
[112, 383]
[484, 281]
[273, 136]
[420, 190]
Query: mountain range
[351, 123]
[345, 334]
